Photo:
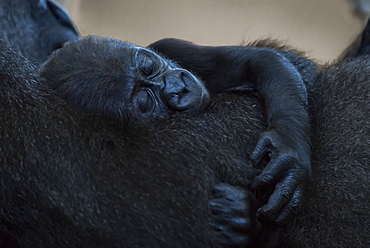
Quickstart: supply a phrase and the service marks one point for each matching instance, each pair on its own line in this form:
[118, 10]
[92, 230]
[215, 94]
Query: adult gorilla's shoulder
[35, 27]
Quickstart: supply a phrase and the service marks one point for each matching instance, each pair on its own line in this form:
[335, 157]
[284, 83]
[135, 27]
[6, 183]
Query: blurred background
[321, 28]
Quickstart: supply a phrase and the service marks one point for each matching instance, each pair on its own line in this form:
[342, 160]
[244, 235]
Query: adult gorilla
[149, 187]
[35, 27]
[54, 196]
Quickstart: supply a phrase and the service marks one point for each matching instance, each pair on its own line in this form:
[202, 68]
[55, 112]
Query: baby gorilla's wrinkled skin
[123, 81]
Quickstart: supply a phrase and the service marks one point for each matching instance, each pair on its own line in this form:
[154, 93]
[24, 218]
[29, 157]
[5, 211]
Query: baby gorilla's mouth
[185, 94]
[179, 101]
[187, 103]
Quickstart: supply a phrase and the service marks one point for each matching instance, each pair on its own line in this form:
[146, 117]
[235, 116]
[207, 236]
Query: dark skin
[129, 83]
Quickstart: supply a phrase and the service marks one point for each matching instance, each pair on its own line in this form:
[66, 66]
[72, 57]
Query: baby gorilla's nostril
[186, 77]
[185, 90]
[182, 92]
[174, 84]
[175, 91]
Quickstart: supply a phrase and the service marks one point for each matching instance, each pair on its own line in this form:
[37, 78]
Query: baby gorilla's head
[121, 80]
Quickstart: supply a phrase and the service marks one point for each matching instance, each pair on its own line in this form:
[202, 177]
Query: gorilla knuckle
[268, 179]
[294, 205]
[285, 192]
[242, 223]
[266, 214]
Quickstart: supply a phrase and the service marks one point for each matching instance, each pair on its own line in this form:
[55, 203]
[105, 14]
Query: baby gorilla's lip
[188, 101]
[183, 93]
[205, 98]
[200, 95]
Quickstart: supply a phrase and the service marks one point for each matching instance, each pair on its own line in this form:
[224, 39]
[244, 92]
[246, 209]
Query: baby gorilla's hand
[286, 169]
[232, 215]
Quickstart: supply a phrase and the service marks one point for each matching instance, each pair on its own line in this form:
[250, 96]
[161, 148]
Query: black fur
[35, 27]
[281, 78]
[69, 179]
[335, 212]
[72, 180]
[104, 76]
[56, 195]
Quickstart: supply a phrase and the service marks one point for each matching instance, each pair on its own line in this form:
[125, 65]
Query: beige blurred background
[322, 28]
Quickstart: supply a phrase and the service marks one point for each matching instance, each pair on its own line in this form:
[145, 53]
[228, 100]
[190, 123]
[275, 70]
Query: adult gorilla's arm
[285, 146]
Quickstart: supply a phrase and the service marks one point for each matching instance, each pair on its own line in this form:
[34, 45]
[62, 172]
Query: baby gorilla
[123, 81]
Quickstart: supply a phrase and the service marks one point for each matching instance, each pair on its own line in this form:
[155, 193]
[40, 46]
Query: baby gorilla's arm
[284, 149]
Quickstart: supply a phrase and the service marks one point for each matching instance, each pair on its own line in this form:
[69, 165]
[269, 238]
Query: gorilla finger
[230, 193]
[283, 193]
[291, 209]
[233, 239]
[274, 170]
[241, 224]
[238, 239]
[219, 206]
[261, 152]
[215, 224]
[223, 190]
[227, 208]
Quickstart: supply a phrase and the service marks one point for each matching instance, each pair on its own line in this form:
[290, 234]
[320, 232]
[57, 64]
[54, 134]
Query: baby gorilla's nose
[177, 93]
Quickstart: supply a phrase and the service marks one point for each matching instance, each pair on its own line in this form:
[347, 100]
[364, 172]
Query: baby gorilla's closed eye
[148, 67]
[145, 101]
[149, 86]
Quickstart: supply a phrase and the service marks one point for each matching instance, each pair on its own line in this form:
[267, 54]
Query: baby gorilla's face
[162, 88]
[121, 80]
